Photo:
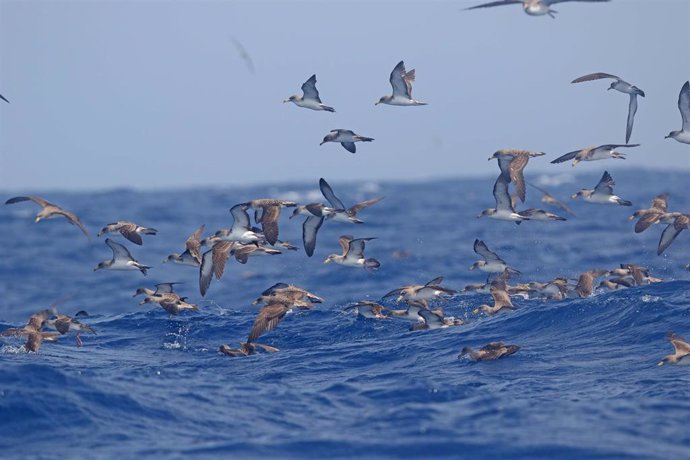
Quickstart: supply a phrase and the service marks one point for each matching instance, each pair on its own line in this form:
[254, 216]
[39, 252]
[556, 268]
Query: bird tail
[144, 269]
[624, 202]
[327, 109]
[371, 264]
[149, 231]
[365, 139]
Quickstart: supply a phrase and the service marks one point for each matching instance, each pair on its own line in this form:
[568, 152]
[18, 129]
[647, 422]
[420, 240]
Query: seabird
[243, 54]
[271, 314]
[491, 263]
[268, 218]
[680, 223]
[636, 274]
[602, 193]
[129, 230]
[50, 210]
[243, 251]
[532, 7]
[613, 284]
[681, 351]
[369, 309]
[601, 152]
[34, 330]
[310, 98]
[512, 163]
[624, 87]
[64, 323]
[337, 212]
[346, 138]
[684, 106]
[353, 254]
[241, 229]
[246, 349]
[122, 259]
[192, 253]
[492, 350]
[411, 313]
[289, 291]
[504, 209]
[434, 320]
[550, 200]
[501, 300]
[585, 283]
[170, 302]
[655, 214]
[401, 82]
[428, 291]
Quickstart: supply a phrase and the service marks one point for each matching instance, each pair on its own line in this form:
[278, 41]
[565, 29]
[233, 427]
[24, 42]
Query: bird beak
[377, 103]
[37, 219]
[286, 100]
[322, 142]
[666, 137]
[327, 261]
[660, 363]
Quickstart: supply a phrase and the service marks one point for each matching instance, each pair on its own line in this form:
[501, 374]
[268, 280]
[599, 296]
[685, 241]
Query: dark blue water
[585, 382]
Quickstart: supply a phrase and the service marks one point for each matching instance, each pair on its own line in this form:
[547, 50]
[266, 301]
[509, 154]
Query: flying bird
[491, 263]
[601, 152]
[346, 138]
[4, 99]
[401, 81]
[504, 209]
[532, 7]
[512, 163]
[129, 230]
[122, 259]
[684, 106]
[602, 193]
[624, 87]
[490, 351]
[244, 54]
[549, 199]
[353, 254]
[310, 97]
[50, 211]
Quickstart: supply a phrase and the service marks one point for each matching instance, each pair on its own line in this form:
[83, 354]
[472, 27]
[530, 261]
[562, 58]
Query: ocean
[584, 384]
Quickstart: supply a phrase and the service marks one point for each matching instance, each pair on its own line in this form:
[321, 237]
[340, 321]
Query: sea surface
[584, 384]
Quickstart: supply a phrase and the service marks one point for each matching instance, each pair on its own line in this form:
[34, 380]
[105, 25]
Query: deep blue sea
[584, 384]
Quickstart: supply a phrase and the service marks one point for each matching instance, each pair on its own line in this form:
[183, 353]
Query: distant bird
[681, 353]
[512, 163]
[337, 212]
[346, 138]
[624, 87]
[434, 320]
[401, 81]
[501, 300]
[585, 283]
[680, 223]
[244, 55]
[353, 254]
[129, 230]
[268, 217]
[411, 313]
[491, 263]
[192, 253]
[602, 193]
[504, 209]
[428, 291]
[601, 152]
[532, 7]
[270, 316]
[242, 252]
[310, 98]
[4, 99]
[368, 309]
[64, 323]
[49, 211]
[490, 351]
[549, 199]
[684, 106]
[122, 259]
[246, 349]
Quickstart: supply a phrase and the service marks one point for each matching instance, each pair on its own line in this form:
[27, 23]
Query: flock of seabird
[243, 240]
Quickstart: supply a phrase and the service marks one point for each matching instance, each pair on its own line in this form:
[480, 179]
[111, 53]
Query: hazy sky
[155, 94]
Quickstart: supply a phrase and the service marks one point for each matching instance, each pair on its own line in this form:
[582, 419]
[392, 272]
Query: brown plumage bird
[490, 351]
[585, 283]
[512, 163]
[501, 300]
[681, 351]
[34, 330]
[246, 349]
[270, 212]
[50, 210]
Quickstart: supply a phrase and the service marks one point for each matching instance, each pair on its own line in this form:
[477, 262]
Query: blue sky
[151, 94]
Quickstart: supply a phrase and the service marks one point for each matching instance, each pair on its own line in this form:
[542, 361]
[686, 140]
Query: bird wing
[566, 157]
[309, 89]
[205, 272]
[667, 236]
[632, 110]
[219, 256]
[36, 199]
[679, 343]
[592, 76]
[269, 223]
[684, 105]
[62, 324]
[344, 242]
[267, 319]
[193, 243]
[605, 184]
[482, 249]
[431, 318]
[74, 220]
[646, 221]
[501, 297]
[4, 98]
[501, 195]
[435, 282]
[399, 81]
[240, 216]
[493, 346]
[660, 202]
[516, 174]
[356, 247]
[327, 192]
[352, 211]
[497, 3]
[310, 228]
[119, 251]
[128, 230]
